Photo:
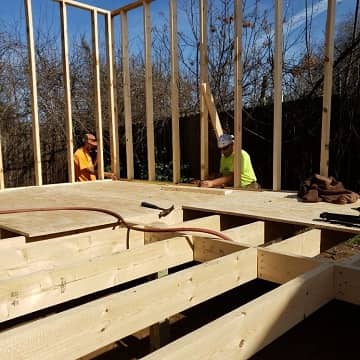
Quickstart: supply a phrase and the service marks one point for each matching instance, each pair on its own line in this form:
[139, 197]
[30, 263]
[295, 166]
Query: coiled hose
[121, 221]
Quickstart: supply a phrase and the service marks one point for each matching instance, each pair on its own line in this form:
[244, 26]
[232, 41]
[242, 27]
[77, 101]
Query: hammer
[163, 211]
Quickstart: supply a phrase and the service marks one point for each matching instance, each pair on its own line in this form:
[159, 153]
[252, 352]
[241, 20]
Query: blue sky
[46, 13]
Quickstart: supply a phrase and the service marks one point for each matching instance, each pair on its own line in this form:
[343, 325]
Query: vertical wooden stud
[149, 93]
[97, 92]
[67, 93]
[175, 93]
[127, 96]
[204, 124]
[328, 73]
[113, 121]
[277, 137]
[238, 92]
[33, 91]
[2, 182]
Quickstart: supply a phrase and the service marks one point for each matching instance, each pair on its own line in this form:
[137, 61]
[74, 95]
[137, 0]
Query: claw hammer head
[166, 212]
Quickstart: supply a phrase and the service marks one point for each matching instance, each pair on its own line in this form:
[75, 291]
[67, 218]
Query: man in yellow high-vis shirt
[226, 178]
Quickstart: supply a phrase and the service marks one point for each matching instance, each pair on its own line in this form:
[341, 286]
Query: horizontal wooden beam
[347, 283]
[307, 243]
[129, 7]
[23, 295]
[83, 6]
[206, 248]
[280, 268]
[11, 242]
[246, 330]
[196, 189]
[250, 234]
[23, 258]
[86, 328]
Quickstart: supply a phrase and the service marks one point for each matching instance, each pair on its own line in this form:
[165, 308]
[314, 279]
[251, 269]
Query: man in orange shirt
[85, 169]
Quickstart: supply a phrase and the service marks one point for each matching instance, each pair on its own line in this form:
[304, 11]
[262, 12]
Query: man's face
[227, 150]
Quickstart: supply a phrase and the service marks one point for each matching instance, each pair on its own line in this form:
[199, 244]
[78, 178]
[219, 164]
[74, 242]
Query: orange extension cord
[121, 221]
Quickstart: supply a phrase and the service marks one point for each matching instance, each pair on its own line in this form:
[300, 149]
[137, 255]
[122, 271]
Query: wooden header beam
[83, 6]
[129, 7]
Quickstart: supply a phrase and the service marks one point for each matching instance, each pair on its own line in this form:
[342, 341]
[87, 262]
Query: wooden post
[113, 121]
[127, 96]
[204, 125]
[238, 93]
[328, 72]
[67, 92]
[277, 137]
[2, 183]
[33, 91]
[160, 332]
[97, 93]
[149, 93]
[174, 93]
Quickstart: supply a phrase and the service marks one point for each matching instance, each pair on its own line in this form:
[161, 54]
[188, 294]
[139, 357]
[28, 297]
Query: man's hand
[207, 183]
[110, 175]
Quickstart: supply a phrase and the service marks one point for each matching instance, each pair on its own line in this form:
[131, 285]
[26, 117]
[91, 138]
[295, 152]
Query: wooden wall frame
[204, 108]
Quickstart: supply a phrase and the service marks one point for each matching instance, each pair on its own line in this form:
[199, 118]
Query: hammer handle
[150, 205]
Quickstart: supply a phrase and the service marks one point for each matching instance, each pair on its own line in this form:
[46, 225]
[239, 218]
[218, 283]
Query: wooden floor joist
[23, 294]
[246, 330]
[83, 329]
[268, 243]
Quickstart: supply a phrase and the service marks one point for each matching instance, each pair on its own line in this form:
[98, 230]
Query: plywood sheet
[124, 197]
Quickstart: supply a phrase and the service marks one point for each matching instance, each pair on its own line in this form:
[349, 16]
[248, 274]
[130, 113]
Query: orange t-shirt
[82, 161]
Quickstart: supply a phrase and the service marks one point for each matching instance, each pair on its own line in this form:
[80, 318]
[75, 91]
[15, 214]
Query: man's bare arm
[218, 182]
